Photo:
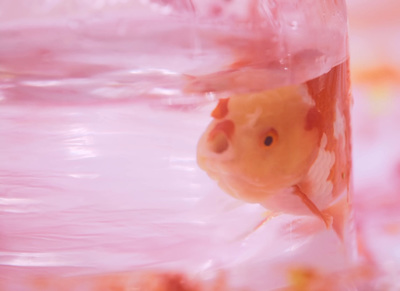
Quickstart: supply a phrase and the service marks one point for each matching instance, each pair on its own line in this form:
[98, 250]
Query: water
[99, 123]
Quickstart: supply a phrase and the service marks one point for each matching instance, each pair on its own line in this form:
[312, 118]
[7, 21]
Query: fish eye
[268, 140]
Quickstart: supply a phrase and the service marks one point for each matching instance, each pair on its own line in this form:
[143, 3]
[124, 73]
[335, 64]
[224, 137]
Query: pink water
[98, 135]
[115, 186]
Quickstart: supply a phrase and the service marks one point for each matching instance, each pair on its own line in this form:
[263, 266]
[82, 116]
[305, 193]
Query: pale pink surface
[374, 34]
[98, 169]
[374, 42]
[376, 167]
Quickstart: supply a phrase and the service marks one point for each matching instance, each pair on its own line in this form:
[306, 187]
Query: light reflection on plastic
[163, 9]
[83, 176]
[152, 71]
[33, 259]
[77, 153]
[164, 91]
[16, 201]
[183, 168]
[80, 147]
[46, 83]
[18, 205]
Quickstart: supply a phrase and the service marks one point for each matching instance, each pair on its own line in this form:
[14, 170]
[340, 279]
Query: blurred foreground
[374, 46]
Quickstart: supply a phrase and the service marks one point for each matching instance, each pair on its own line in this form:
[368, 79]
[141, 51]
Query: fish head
[260, 143]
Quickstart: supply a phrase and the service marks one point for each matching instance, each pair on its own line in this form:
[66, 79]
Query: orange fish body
[259, 146]
[276, 148]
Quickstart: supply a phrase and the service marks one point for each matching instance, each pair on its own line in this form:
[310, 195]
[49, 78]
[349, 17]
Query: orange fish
[275, 148]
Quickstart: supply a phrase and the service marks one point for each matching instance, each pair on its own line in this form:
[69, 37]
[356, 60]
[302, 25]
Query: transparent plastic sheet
[107, 140]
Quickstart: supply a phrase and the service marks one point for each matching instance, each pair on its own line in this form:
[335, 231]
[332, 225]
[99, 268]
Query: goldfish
[286, 149]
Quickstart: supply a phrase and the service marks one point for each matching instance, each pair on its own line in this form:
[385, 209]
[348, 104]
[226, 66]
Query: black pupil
[268, 141]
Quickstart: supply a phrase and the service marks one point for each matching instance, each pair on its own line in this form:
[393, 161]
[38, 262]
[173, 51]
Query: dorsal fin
[221, 110]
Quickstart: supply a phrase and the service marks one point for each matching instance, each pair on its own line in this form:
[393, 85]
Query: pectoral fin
[340, 211]
[326, 218]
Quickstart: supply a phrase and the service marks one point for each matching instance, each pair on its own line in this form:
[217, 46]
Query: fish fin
[268, 215]
[340, 212]
[326, 217]
[221, 110]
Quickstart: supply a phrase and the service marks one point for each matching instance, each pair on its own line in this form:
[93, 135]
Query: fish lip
[247, 181]
[210, 158]
[214, 167]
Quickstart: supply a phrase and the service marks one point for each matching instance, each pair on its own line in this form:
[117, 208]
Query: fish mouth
[219, 143]
[218, 139]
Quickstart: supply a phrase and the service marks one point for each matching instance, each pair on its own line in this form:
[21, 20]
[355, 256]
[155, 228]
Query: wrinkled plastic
[102, 106]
